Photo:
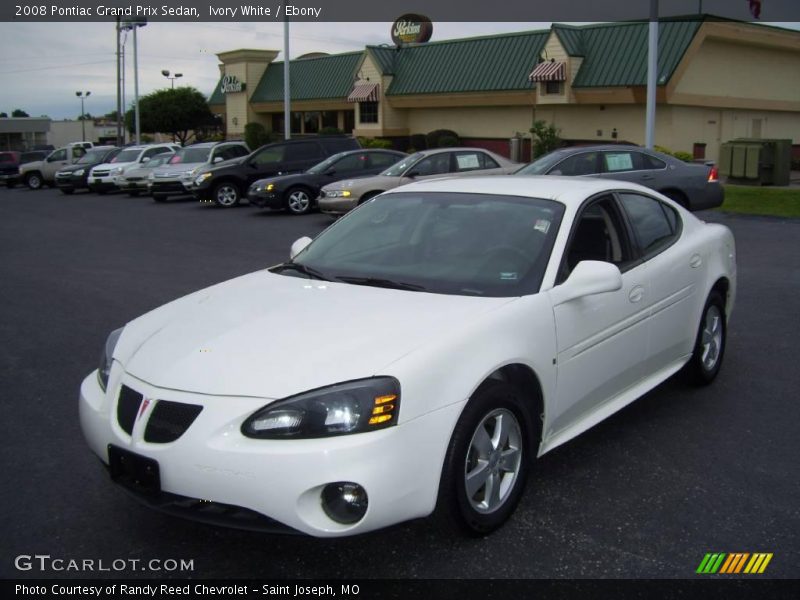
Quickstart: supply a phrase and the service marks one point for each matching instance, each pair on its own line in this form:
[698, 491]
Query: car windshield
[400, 167]
[320, 168]
[92, 157]
[158, 160]
[126, 156]
[190, 155]
[439, 242]
[541, 165]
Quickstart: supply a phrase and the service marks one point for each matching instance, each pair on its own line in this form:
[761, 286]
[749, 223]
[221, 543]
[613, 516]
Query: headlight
[105, 359]
[151, 176]
[269, 187]
[117, 171]
[79, 172]
[338, 193]
[352, 407]
[202, 178]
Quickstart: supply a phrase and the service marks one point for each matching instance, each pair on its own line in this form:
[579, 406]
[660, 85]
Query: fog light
[344, 502]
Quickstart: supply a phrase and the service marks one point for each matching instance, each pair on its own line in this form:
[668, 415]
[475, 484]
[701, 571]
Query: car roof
[456, 148]
[571, 191]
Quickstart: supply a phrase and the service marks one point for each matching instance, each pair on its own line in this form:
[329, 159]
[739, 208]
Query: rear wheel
[678, 197]
[133, 193]
[226, 195]
[159, 197]
[486, 464]
[34, 181]
[709, 347]
[67, 191]
[366, 197]
[298, 201]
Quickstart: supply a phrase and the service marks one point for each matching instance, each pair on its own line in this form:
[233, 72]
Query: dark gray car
[694, 186]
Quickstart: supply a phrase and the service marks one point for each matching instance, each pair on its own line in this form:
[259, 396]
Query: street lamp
[127, 25]
[165, 73]
[83, 96]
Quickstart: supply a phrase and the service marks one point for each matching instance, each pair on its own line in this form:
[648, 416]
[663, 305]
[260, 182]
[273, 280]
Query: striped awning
[364, 92]
[548, 71]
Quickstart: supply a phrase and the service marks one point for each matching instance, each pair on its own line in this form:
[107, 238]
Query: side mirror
[589, 277]
[298, 246]
[145, 159]
[218, 159]
[330, 172]
[412, 174]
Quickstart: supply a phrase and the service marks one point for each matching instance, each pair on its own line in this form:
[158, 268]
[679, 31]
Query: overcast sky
[43, 64]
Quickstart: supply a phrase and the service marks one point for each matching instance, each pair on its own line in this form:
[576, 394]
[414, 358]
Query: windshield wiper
[382, 283]
[300, 268]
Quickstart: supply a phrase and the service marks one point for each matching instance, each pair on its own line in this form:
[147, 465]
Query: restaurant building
[717, 80]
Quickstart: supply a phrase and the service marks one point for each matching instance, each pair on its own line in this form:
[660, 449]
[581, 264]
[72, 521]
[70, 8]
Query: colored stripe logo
[734, 563]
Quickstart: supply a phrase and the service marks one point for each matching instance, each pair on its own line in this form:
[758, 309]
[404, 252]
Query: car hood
[271, 336]
[284, 180]
[31, 166]
[73, 168]
[226, 164]
[112, 166]
[176, 169]
[366, 184]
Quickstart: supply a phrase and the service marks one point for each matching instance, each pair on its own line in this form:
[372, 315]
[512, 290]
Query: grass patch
[750, 200]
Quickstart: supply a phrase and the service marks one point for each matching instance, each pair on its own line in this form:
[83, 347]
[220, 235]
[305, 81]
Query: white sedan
[414, 359]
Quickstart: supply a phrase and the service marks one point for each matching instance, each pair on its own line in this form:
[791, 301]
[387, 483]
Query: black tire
[67, 191]
[298, 200]
[159, 197]
[34, 181]
[101, 192]
[709, 350]
[11, 184]
[226, 194]
[678, 197]
[456, 510]
[133, 193]
[367, 196]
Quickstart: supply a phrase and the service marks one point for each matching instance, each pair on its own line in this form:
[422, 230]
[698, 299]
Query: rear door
[265, 163]
[582, 163]
[474, 162]
[301, 156]
[54, 162]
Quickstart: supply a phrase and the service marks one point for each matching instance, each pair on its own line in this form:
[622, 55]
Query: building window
[296, 121]
[311, 122]
[330, 118]
[553, 87]
[368, 112]
[349, 121]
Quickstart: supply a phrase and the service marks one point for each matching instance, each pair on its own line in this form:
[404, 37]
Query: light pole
[165, 73]
[135, 24]
[83, 96]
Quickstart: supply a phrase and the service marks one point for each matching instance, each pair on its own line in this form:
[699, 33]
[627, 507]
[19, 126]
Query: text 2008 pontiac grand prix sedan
[415, 358]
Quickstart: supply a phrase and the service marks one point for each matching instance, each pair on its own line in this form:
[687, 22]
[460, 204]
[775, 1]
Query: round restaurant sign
[411, 29]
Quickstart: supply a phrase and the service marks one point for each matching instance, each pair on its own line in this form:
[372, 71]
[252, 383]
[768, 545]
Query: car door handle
[636, 294]
[646, 177]
[695, 261]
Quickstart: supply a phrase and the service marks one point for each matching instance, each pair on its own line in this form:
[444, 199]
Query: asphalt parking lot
[647, 493]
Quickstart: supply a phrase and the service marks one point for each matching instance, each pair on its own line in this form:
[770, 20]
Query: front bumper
[168, 186]
[280, 479]
[103, 183]
[70, 181]
[9, 178]
[336, 206]
[266, 199]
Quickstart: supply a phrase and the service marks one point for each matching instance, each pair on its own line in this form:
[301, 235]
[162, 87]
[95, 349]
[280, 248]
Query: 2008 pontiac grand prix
[413, 359]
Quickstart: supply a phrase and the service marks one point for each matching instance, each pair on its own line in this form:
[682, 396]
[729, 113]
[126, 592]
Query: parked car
[298, 193]
[227, 183]
[343, 196]
[693, 186]
[105, 177]
[10, 163]
[136, 179]
[43, 172]
[415, 358]
[174, 177]
[75, 177]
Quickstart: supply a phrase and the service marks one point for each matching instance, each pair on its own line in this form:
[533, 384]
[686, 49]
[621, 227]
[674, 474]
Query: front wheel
[709, 346]
[133, 193]
[159, 197]
[226, 195]
[486, 464]
[34, 181]
[67, 191]
[298, 201]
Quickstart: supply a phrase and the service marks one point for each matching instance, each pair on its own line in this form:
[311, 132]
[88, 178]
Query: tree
[545, 138]
[3, 115]
[111, 116]
[177, 112]
[18, 112]
[86, 117]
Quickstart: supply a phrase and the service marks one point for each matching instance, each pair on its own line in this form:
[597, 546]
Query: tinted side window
[579, 164]
[303, 151]
[382, 161]
[654, 230]
[489, 162]
[59, 155]
[238, 151]
[651, 162]
[433, 165]
[151, 152]
[352, 162]
[269, 155]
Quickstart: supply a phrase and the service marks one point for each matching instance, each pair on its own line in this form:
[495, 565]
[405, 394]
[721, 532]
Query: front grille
[169, 421]
[128, 408]
[134, 178]
[96, 173]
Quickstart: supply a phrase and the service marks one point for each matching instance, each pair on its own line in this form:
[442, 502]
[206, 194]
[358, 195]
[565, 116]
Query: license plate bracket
[136, 472]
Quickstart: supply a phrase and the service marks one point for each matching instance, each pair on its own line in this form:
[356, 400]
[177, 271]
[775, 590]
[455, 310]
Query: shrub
[679, 154]
[434, 138]
[448, 141]
[330, 131]
[545, 138]
[417, 141]
[255, 135]
[374, 143]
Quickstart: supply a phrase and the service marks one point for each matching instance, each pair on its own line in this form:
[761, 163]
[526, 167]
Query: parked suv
[226, 183]
[43, 172]
[11, 161]
[104, 177]
[75, 177]
[174, 177]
